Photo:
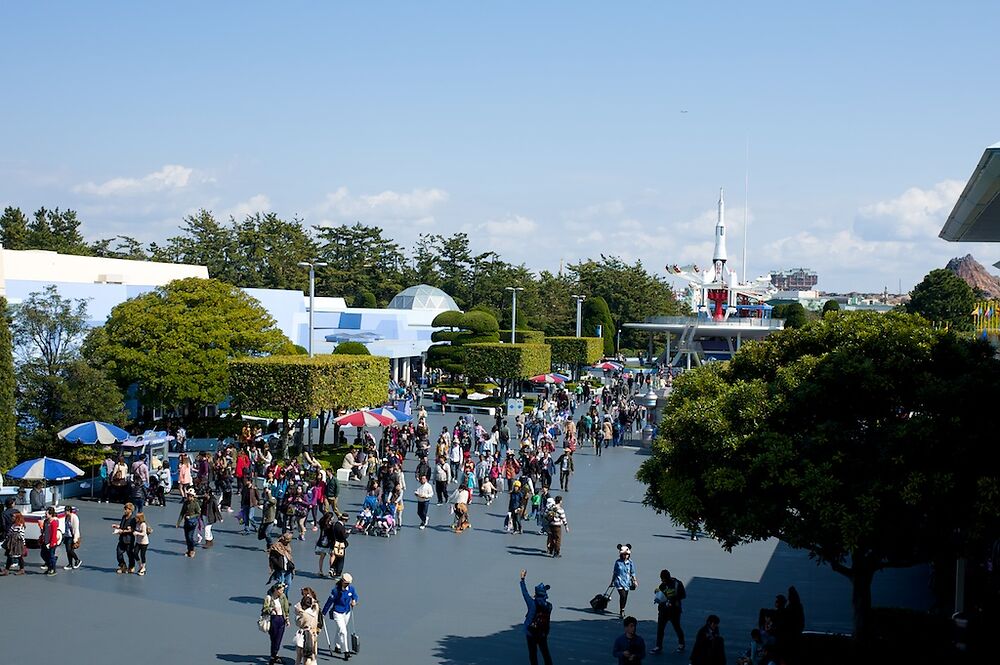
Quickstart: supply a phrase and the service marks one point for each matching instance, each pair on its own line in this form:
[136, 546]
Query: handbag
[300, 639]
[76, 543]
[633, 584]
[264, 623]
[339, 548]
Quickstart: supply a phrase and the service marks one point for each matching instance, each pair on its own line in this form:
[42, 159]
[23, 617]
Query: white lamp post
[312, 265]
[579, 313]
[513, 309]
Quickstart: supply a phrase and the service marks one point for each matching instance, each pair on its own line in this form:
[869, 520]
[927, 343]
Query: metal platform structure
[701, 340]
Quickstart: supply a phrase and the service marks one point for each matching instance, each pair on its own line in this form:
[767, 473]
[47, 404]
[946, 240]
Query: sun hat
[347, 578]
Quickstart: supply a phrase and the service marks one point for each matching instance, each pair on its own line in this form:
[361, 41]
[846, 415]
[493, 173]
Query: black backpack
[540, 623]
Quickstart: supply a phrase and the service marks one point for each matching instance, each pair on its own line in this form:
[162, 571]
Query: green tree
[175, 342]
[507, 364]
[831, 306]
[8, 405]
[351, 349]
[267, 251]
[631, 292]
[57, 231]
[943, 297]
[857, 438]
[55, 387]
[448, 354]
[14, 229]
[596, 313]
[795, 315]
[359, 257]
[306, 386]
[203, 242]
[120, 247]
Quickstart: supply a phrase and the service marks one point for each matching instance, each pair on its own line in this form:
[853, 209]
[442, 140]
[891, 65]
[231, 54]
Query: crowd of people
[283, 500]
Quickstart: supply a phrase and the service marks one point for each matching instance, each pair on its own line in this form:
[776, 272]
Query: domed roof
[423, 296]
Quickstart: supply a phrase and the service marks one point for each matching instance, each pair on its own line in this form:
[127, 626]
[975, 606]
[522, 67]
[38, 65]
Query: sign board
[515, 406]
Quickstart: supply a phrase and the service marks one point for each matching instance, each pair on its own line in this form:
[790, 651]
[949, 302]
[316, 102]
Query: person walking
[125, 530]
[308, 621]
[279, 560]
[14, 544]
[623, 576]
[629, 648]
[211, 513]
[565, 464]
[667, 598]
[249, 499]
[49, 540]
[189, 516]
[537, 621]
[71, 538]
[557, 522]
[515, 508]
[324, 542]
[184, 482]
[338, 553]
[709, 647]
[141, 532]
[343, 598]
[275, 611]
[268, 515]
[442, 476]
[424, 494]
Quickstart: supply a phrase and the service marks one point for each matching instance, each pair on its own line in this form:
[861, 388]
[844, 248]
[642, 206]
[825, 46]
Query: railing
[735, 322]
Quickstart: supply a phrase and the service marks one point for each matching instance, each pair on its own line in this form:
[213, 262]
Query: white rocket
[719, 256]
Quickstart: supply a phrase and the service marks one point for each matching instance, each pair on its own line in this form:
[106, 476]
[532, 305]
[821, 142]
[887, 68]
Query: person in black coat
[709, 648]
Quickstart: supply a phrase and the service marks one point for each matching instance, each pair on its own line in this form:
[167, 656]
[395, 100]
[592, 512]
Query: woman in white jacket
[71, 538]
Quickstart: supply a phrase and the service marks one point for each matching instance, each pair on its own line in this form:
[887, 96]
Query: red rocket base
[719, 299]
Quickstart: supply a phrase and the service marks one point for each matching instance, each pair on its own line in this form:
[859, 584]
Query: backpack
[540, 623]
[118, 478]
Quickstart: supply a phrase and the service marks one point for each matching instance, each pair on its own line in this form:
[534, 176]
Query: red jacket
[51, 533]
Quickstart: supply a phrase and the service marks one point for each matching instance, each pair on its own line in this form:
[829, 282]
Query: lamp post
[579, 313]
[312, 265]
[513, 309]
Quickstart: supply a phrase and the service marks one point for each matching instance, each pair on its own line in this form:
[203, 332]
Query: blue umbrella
[94, 432]
[45, 468]
[398, 416]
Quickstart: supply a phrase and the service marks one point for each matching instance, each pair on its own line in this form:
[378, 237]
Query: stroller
[384, 522]
[156, 494]
[368, 515]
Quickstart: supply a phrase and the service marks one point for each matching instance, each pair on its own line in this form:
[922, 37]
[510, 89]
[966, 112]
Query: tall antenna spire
[746, 213]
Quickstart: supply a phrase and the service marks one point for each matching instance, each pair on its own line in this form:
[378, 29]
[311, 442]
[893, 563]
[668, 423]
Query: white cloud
[169, 178]
[255, 204]
[512, 226]
[915, 214]
[387, 204]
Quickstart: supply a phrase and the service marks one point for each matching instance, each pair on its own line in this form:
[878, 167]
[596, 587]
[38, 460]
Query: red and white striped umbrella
[608, 366]
[548, 378]
[363, 419]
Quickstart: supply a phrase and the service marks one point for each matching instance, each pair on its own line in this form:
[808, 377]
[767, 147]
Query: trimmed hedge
[524, 336]
[575, 350]
[448, 353]
[308, 385]
[507, 361]
[351, 349]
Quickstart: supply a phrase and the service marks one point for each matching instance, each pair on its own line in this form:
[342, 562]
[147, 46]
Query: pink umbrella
[547, 378]
[363, 419]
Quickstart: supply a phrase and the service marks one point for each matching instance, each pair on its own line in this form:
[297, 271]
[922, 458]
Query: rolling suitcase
[599, 603]
[355, 639]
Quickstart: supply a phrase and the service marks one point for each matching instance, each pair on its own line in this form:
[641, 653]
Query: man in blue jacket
[536, 621]
[629, 648]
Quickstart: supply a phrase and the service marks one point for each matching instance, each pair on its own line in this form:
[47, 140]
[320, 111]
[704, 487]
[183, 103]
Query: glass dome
[423, 296]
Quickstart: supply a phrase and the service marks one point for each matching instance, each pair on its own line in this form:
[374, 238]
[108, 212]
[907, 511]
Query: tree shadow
[580, 642]
[245, 547]
[246, 600]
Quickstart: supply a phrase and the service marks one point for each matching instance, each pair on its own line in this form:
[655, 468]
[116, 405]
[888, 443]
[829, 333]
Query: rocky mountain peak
[975, 275]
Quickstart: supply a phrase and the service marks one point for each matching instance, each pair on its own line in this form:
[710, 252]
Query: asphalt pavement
[426, 596]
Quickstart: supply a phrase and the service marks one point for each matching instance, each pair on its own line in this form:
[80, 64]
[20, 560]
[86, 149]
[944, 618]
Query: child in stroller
[368, 514]
[384, 522]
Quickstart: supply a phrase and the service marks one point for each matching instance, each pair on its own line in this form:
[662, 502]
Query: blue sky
[548, 131]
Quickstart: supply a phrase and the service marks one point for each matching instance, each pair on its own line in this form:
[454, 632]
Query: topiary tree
[507, 364]
[351, 349]
[524, 336]
[303, 385]
[575, 352]
[364, 299]
[943, 297]
[596, 313]
[448, 353]
[831, 306]
[8, 421]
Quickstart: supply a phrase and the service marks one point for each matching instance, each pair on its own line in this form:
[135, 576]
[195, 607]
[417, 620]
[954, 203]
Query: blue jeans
[190, 526]
[49, 556]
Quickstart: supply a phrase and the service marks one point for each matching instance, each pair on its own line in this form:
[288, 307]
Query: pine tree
[8, 426]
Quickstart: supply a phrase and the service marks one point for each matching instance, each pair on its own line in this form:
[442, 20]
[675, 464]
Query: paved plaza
[427, 596]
